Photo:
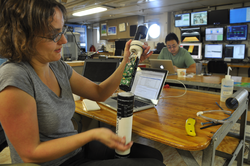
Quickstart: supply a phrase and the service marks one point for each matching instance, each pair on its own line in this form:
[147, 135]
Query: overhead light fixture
[90, 11]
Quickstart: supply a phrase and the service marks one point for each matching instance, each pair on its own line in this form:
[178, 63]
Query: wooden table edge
[142, 134]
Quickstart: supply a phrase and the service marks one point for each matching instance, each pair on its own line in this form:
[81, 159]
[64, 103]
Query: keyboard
[137, 103]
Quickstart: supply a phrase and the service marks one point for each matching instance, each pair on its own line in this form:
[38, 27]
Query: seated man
[180, 57]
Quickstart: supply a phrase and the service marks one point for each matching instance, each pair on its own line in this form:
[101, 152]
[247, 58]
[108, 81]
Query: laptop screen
[148, 83]
[97, 70]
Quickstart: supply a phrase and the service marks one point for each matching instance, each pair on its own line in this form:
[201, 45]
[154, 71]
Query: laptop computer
[97, 70]
[147, 87]
[163, 64]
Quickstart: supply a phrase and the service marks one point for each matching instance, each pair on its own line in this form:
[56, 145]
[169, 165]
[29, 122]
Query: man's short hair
[171, 36]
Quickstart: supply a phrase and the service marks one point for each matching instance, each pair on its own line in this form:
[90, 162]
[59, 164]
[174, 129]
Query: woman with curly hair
[36, 89]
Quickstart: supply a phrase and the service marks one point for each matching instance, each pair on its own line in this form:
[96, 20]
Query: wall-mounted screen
[235, 51]
[194, 49]
[213, 51]
[191, 34]
[240, 15]
[182, 20]
[217, 17]
[214, 34]
[199, 18]
[237, 32]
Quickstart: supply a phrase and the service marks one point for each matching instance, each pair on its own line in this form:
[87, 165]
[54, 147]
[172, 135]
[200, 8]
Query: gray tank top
[54, 113]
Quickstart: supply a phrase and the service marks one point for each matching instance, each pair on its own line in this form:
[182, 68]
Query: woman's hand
[144, 55]
[111, 140]
[126, 50]
[146, 52]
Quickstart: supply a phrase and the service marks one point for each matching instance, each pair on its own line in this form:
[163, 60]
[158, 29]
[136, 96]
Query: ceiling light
[90, 11]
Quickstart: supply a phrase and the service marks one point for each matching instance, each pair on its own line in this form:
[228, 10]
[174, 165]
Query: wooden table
[106, 53]
[75, 63]
[240, 65]
[212, 81]
[166, 122]
[237, 65]
[114, 57]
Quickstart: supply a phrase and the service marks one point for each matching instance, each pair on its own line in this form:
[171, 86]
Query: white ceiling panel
[123, 8]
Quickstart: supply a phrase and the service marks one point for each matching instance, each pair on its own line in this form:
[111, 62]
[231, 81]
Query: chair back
[217, 67]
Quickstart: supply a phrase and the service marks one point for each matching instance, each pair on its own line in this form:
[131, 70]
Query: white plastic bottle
[227, 86]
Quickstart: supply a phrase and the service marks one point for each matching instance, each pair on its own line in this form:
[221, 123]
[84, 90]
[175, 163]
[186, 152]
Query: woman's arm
[87, 89]
[18, 116]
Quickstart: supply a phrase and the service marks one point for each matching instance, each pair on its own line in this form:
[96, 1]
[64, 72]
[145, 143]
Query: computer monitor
[214, 34]
[119, 47]
[240, 15]
[218, 17]
[237, 32]
[98, 70]
[213, 51]
[235, 52]
[191, 34]
[193, 48]
[199, 18]
[120, 44]
[182, 20]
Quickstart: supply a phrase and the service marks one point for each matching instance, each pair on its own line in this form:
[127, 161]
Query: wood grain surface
[228, 145]
[240, 65]
[75, 63]
[166, 122]
[212, 79]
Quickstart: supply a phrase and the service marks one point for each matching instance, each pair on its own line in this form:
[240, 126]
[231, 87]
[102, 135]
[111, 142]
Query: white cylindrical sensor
[125, 102]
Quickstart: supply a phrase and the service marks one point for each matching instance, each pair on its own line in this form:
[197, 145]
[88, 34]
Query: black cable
[75, 39]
